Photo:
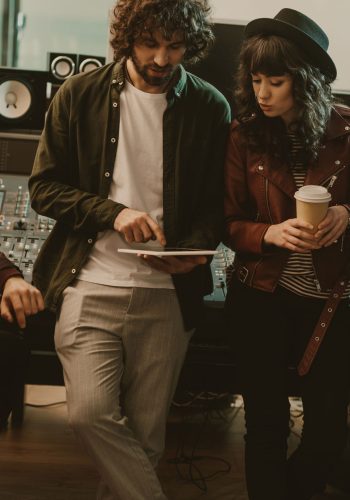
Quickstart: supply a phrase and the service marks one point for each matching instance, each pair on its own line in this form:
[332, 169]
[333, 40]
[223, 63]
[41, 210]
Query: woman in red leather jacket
[289, 133]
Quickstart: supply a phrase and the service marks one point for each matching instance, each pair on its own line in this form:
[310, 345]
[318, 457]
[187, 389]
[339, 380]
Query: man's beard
[154, 81]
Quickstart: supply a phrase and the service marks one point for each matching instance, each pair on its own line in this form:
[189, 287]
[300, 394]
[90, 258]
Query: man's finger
[6, 313]
[39, 300]
[156, 230]
[16, 307]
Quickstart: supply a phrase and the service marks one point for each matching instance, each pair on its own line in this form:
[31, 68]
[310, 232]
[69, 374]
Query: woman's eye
[276, 84]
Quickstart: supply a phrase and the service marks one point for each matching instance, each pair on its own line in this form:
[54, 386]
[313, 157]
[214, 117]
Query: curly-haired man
[131, 154]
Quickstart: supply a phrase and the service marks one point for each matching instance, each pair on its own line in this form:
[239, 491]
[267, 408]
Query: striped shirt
[298, 275]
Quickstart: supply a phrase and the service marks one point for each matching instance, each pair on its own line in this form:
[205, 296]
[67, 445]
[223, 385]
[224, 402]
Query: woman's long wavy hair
[275, 56]
[134, 17]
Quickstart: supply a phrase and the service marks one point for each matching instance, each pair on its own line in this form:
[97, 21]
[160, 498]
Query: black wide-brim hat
[301, 30]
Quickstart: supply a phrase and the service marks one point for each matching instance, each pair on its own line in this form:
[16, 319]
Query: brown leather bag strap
[322, 326]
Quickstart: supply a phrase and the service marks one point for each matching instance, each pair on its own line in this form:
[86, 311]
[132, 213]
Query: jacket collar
[338, 125]
[325, 167]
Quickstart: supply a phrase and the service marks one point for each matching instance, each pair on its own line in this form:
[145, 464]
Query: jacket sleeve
[242, 233]
[54, 182]
[207, 225]
[7, 270]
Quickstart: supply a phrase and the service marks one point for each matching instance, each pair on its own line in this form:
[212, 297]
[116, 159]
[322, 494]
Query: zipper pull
[332, 181]
[318, 286]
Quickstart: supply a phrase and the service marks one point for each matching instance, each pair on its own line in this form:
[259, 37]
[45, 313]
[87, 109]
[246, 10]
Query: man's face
[155, 59]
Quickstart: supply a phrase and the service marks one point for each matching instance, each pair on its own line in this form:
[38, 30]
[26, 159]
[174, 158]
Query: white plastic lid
[313, 194]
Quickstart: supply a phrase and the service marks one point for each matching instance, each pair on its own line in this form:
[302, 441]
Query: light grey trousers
[122, 350]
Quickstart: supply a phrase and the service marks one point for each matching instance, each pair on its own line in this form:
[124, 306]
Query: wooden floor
[203, 457]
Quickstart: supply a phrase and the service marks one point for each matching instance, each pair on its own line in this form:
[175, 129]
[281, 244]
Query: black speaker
[22, 99]
[61, 66]
[88, 63]
[219, 67]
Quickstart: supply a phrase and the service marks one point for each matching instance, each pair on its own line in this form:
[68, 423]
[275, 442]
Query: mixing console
[219, 266]
[22, 231]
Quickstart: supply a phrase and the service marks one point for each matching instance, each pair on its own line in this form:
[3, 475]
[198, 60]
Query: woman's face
[274, 95]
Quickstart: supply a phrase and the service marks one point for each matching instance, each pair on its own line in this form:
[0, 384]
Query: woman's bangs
[266, 57]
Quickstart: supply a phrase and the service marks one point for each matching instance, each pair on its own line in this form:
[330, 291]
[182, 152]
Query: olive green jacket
[73, 170]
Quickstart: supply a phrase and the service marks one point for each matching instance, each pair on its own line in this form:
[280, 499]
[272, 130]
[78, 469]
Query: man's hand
[20, 299]
[174, 265]
[138, 227]
[293, 234]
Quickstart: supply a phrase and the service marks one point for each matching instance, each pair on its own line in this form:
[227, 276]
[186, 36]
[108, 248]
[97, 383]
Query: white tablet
[163, 252]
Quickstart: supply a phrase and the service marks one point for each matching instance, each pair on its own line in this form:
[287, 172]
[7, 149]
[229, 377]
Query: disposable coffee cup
[312, 204]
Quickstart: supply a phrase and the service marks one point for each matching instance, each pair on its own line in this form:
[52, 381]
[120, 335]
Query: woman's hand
[293, 234]
[332, 226]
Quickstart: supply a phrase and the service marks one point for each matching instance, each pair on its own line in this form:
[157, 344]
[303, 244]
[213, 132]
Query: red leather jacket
[260, 192]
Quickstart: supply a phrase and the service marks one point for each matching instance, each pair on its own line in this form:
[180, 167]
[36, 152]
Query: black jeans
[269, 331]
[14, 356]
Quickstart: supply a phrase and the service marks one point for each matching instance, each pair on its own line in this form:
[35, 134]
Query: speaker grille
[22, 99]
[62, 67]
[15, 99]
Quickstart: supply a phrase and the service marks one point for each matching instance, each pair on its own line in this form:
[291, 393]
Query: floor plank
[43, 461]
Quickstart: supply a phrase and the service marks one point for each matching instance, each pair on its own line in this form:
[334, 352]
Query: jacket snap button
[260, 167]
[74, 271]
[107, 174]
[337, 162]
[317, 339]
[347, 128]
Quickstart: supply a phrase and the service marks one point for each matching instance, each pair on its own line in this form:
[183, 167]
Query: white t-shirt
[138, 184]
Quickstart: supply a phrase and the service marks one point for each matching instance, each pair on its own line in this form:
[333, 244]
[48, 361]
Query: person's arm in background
[18, 298]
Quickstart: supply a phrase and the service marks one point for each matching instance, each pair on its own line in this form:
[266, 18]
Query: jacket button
[90, 240]
[107, 174]
[260, 167]
[113, 139]
[115, 105]
[74, 271]
[347, 128]
[337, 162]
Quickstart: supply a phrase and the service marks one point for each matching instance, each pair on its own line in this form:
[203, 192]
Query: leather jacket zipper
[267, 200]
[317, 283]
[331, 180]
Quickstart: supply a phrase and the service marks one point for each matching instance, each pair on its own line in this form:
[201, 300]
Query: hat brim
[314, 52]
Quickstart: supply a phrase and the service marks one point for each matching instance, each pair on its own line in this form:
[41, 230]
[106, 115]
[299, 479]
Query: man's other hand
[20, 299]
[174, 265]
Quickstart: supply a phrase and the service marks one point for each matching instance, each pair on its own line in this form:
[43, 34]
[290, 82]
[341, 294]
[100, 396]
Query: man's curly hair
[190, 17]
[273, 55]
